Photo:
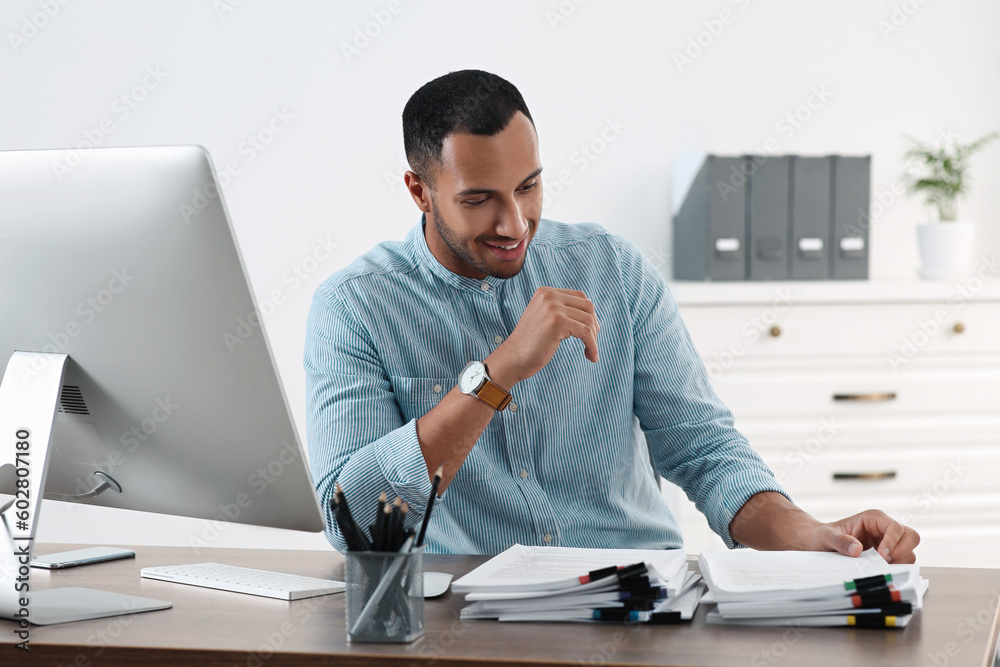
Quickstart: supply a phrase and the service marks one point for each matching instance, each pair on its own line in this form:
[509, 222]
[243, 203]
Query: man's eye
[528, 187]
[476, 202]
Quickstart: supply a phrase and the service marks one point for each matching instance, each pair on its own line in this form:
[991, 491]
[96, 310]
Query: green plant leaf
[943, 177]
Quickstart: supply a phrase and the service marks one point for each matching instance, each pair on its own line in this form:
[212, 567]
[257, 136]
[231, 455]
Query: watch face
[472, 377]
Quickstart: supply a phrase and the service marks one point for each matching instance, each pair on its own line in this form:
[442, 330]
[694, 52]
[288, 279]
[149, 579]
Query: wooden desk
[958, 626]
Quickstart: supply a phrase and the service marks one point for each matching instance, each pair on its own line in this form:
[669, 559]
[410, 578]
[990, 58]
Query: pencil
[359, 535]
[394, 540]
[403, 510]
[342, 502]
[391, 519]
[379, 521]
[350, 537]
[383, 541]
[430, 504]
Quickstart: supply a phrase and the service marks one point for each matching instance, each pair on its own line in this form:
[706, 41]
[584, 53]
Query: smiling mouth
[508, 252]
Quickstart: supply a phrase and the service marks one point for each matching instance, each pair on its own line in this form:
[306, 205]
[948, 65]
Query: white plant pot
[945, 248]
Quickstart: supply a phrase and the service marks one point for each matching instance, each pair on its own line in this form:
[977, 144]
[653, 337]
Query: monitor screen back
[127, 263]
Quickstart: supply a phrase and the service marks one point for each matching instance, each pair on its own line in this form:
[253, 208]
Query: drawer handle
[868, 398]
[775, 331]
[958, 328]
[870, 476]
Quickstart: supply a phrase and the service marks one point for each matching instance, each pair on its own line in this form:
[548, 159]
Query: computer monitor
[119, 272]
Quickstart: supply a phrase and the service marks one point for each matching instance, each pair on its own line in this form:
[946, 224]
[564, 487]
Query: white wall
[885, 68]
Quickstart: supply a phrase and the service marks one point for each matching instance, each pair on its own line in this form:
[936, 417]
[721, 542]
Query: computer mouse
[436, 584]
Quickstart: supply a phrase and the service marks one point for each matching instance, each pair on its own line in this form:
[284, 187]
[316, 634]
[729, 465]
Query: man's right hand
[552, 316]
[448, 432]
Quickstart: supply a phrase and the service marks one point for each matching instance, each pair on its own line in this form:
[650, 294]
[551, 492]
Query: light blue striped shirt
[566, 463]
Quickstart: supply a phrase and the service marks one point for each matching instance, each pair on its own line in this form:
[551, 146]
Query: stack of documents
[809, 588]
[567, 584]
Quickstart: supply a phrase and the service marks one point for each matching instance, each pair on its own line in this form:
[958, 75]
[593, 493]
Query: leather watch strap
[493, 395]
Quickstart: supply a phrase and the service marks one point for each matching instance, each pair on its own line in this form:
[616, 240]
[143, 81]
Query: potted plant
[939, 172]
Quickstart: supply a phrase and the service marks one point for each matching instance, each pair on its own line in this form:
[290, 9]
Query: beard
[464, 249]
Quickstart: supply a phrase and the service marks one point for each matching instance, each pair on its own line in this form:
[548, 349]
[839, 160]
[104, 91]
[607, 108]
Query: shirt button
[437, 389]
[498, 339]
[485, 287]
[524, 474]
[513, 407]
[547, 539]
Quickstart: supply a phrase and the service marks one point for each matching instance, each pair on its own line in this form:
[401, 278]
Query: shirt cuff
[402, 463]
[731, 495]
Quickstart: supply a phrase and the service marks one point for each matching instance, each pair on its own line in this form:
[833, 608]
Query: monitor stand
[29, 393]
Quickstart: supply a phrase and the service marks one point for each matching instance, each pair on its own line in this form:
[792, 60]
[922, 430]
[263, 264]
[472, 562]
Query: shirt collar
[426, 258]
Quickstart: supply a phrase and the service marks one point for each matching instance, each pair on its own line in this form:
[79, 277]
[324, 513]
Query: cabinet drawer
[936, 431]
[726, 334]
[918, 476]
[958, 386]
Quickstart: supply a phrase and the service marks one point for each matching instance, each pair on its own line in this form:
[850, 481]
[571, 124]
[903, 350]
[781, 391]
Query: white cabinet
[864, 395]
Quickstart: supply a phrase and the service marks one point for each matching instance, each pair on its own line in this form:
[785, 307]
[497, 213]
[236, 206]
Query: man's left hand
[768, 521]
[871, 528]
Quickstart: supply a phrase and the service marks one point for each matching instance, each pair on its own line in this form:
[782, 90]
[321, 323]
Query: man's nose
[511, 223]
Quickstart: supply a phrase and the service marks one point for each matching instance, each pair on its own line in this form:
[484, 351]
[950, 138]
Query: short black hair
[469, 101]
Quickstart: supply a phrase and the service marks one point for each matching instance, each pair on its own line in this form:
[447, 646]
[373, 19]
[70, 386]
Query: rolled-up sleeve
[356, 433]
[691, 433]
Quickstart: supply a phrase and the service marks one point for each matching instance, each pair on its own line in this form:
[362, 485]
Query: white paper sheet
[545, 568]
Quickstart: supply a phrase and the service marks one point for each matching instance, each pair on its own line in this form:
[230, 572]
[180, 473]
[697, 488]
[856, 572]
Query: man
[579, 357]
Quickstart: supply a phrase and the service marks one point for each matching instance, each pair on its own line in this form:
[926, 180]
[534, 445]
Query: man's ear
[419, 190]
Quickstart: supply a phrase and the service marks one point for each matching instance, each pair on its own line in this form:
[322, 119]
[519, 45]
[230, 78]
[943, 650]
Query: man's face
[486, 201]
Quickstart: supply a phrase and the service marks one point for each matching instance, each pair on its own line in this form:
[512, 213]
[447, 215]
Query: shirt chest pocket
[416, 396]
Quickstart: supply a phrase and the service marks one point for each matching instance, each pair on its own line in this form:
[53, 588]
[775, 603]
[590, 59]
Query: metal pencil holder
[385, 595]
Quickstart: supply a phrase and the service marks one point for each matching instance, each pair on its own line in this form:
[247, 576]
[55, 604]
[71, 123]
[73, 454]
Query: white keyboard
[244, 580]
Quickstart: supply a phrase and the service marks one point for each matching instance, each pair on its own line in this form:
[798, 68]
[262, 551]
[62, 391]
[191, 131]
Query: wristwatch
[475, 381]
